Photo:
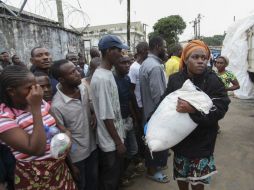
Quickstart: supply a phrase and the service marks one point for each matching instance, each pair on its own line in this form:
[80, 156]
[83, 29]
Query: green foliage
[216, 40]
[169, 28]
[153, 34]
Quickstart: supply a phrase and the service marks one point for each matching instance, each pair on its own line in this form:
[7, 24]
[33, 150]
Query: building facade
[92, 34]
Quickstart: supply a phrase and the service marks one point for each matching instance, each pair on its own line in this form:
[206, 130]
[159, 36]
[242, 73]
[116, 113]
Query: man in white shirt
[142, 52]
[110, 130]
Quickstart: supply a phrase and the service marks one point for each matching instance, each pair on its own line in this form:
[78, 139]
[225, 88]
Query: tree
[169, 28]
[216, 40]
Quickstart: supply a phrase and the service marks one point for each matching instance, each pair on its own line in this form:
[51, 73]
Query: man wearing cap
[110, 129]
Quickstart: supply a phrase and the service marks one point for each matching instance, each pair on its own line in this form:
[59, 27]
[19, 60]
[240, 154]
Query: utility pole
[60, 15]
[144, 29]
[194, 27]
[128, 21]
[198, 20]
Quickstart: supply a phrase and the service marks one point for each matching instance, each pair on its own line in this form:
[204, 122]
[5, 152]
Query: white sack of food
[167, 127]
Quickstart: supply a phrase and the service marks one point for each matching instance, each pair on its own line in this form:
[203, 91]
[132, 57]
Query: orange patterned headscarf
[190, 47]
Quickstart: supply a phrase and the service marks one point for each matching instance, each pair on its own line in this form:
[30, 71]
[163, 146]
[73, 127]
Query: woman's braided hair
[11, 76]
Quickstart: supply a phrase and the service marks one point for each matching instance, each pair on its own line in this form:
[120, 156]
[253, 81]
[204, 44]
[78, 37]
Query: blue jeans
[130, 140]
[88, 169]
[131, 144]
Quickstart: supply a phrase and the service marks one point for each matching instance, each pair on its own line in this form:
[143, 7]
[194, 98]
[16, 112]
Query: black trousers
[159, 159]
[110, 170]
[7, 166]
[88, 169]
[140, 135]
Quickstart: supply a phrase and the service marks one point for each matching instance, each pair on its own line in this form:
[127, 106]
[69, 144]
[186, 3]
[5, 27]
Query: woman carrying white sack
[193, 156]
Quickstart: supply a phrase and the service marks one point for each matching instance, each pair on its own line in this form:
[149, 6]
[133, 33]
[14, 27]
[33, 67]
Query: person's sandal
[160, 168]
[134, 174]
[159, 177]
[140, 168]
[125, 182]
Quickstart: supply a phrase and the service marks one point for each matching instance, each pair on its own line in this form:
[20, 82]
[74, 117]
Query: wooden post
[60, 15]
[128, 22]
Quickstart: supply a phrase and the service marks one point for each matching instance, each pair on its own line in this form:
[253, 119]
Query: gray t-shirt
[152, 83]
[75, 115]
[106, 106]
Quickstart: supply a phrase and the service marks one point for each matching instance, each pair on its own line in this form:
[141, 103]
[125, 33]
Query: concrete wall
[19, 36]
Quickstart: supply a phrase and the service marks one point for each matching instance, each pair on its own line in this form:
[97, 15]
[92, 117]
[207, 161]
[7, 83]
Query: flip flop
[159, 177]
[162, 168]
[125, 182]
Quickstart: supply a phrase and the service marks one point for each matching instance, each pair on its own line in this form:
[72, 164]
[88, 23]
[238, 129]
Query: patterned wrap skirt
[194, 171]
[48, 174]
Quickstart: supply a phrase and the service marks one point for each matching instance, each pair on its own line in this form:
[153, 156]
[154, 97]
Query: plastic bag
[59, 144]
[167, 127]
[51, 131]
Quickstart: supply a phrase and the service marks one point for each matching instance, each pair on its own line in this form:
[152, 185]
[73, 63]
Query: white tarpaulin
[235, 47]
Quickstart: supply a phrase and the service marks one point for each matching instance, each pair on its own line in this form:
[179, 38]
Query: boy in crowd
[43, 80]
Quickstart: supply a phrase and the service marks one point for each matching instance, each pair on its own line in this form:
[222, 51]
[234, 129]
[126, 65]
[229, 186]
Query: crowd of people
[102, 106]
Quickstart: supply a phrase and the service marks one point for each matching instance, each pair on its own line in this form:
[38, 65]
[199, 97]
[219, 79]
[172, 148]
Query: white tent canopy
[235, 47]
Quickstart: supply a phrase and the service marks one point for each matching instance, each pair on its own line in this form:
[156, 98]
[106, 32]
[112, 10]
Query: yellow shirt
[172, 65]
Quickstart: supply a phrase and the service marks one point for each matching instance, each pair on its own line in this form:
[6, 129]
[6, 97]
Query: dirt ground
[234, 153]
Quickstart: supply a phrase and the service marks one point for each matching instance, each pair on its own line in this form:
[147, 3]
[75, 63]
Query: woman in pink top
[25, 123]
